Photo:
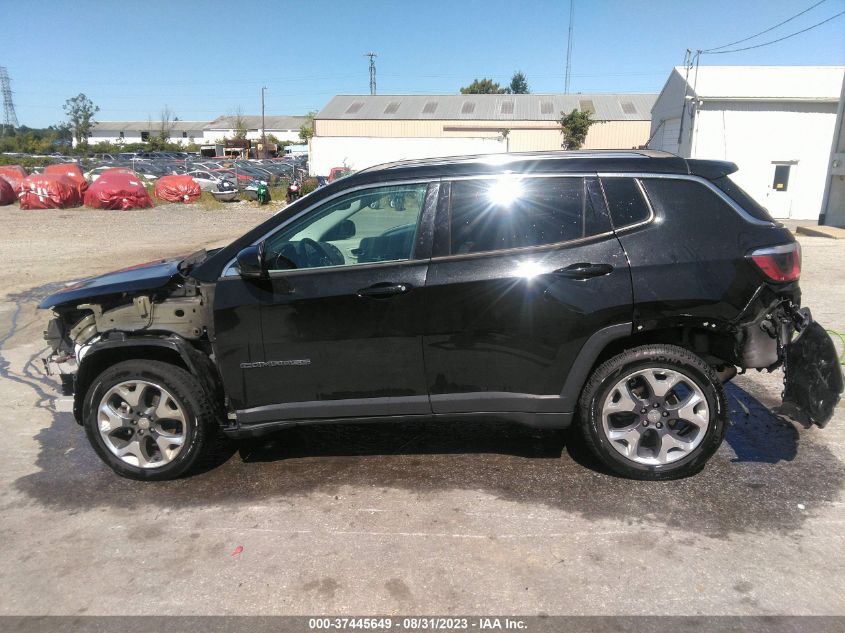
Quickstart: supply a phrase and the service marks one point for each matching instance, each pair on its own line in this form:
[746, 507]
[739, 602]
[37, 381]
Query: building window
[121, 135]
[546, 107]
[184, 135]
[145, 136]
[781, 180]
[354, 107]
[468, 107]
[507, 107]
[430, 107]
[392, 107]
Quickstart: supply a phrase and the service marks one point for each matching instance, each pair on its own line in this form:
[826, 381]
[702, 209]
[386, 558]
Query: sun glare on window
[505, 191]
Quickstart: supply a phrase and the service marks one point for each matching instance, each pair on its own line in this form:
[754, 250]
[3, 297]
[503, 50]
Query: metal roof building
[283, 127]
[489, 107]
[117, 132]
[775, 122]
[363, 130]
[253, 122]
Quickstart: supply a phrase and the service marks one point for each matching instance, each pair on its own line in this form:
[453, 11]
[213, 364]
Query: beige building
[364, 130]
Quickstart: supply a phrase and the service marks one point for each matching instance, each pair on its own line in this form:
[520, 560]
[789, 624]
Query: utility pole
[372, 57]
[10, 119]
[569, 46]
[263, 129]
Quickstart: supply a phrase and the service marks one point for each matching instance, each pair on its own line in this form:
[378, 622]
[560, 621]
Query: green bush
[27, 162]
[309, 185]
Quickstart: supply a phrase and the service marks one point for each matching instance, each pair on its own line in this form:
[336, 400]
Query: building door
[779, 194]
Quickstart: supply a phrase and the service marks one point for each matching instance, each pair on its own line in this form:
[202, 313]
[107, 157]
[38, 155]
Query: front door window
[371, 225]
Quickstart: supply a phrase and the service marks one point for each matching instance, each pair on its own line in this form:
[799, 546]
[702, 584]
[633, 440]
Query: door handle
[584, 270]
[383, 290]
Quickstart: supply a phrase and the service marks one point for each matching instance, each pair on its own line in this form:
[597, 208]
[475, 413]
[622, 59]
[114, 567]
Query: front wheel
[147, 419]
[654, 412]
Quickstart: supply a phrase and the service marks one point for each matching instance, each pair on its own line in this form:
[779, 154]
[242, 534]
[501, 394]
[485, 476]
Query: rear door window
[625, 201]
[492, 214]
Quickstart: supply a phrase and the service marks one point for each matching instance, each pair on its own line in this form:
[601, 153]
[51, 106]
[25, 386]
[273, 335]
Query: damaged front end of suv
[155, 306]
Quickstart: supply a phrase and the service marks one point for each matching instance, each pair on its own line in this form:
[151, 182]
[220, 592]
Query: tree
[306, 130]
[519, 85]
[166, 125]
[482, 87]
[80, 112]
[239, 123]
[575, 126]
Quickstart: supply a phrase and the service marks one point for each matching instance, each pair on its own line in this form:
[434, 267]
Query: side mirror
[251, 262]
[344, 230]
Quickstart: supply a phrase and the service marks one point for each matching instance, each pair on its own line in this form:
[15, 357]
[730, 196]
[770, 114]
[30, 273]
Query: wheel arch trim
[586, 358]
[146, 347]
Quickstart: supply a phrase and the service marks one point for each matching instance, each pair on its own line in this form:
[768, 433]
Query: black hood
[149, 276]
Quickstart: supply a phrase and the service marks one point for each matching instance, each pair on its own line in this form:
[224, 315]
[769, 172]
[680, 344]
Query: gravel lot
[407, 518]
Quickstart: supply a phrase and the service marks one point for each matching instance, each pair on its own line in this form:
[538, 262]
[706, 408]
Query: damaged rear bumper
[813, 381]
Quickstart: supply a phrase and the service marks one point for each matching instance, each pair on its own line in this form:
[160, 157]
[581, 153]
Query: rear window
[738, 195]
[510, 212]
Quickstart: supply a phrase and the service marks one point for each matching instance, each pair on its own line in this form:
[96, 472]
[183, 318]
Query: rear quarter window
[739, 195]
[625, 202]
[689, 201]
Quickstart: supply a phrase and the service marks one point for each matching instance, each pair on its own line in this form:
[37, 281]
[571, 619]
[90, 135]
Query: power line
[771, 28]
[780, 39]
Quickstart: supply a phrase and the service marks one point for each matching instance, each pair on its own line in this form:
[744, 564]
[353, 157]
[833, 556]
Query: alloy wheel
[142, 423]
[655, 416]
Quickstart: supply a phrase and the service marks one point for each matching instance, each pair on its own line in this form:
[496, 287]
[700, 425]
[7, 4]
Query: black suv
[618, 290]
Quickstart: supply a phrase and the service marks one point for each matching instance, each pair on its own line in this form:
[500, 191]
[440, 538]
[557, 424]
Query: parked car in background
[338, 172]
[209, 181]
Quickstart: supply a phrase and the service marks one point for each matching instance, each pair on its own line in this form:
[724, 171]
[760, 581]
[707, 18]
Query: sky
[206, 59]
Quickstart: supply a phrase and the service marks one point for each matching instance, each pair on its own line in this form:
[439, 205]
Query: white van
[296, 150]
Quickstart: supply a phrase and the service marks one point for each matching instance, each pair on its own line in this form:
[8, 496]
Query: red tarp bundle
[72, 172]
[14, 174]
[7, 193]
[177, 189]
[117, 189]
[40, 191]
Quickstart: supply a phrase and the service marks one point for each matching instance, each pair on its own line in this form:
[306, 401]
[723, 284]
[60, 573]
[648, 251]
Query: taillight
[779, 263]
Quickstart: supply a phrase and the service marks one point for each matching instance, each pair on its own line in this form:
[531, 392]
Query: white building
[775, 122]
[359, 131]
[123, 132]
[833, 207]
[284, 128]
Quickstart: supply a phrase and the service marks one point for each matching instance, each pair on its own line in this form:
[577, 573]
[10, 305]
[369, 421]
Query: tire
[172, 409]
[662, 437]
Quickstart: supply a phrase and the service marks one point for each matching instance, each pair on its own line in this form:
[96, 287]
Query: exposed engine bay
[182, 308]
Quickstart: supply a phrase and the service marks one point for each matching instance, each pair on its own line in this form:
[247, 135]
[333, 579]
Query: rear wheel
[147, 419]
[654, 412]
